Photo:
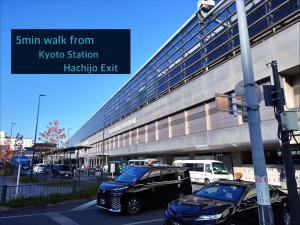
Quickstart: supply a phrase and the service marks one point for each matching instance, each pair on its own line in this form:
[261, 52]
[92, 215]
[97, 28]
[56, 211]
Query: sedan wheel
[133, 206]
[287, 219]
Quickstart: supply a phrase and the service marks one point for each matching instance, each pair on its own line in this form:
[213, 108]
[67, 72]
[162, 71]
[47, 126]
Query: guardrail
[9, 192]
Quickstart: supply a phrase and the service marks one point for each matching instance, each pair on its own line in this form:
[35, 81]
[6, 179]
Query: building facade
[4, 140]
[167, 110]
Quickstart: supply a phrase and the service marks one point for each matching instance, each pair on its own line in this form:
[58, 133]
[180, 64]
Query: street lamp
[68, 146]
[11, 129]
[68, 136]
[35, 134]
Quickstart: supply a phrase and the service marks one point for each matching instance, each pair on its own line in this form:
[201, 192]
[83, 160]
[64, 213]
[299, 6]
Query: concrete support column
[170, 126]
[156, 131]
[207, 117]
[186, 123]
[146, 133]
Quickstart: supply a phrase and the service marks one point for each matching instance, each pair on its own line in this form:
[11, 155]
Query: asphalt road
[80, 213]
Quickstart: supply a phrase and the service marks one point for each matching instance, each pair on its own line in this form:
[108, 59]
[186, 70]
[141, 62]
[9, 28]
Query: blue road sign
[23, 160]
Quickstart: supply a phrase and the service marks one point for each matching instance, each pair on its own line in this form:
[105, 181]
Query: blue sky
[73, 99]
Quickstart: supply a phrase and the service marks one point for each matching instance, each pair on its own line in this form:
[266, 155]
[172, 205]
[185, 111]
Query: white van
[142, 162]
[205, 171]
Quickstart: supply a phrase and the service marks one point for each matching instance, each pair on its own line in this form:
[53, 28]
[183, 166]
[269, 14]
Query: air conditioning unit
[205, 5]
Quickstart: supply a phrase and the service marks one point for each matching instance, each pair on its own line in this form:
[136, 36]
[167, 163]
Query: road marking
[59, 218]
[145, 221]
[84, 206]
[35, 214]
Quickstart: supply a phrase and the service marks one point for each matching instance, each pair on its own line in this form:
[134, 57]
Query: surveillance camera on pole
[204, 6]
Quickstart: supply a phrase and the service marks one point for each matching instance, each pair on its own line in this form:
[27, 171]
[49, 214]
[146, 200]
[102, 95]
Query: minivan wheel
[287, 219]
[133, 206]
[206, 181]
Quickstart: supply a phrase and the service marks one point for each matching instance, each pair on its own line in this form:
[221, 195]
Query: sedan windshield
[222, 192]
[132, 174]
[219, 168]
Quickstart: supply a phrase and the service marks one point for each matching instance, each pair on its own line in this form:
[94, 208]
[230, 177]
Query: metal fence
[9, 192]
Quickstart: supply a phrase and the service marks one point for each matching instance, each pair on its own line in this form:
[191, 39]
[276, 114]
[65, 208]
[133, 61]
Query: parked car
[41, 168]
[116, 167]
[141, 186]
[61, 171]
[25, 171]
[225, 202]
[142, 162]
[205, 171]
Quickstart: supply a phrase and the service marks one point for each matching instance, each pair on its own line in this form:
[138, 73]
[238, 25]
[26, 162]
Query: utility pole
[35, 134]
[258, 156]
[293, 198]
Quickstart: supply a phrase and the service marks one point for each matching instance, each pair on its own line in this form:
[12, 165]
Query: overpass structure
[167, 109]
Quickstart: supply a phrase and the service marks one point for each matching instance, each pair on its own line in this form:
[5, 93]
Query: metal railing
[9, 192]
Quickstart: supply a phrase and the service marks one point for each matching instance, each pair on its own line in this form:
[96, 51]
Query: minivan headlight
[209, 217]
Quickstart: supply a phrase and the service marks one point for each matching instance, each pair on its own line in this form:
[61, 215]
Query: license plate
[102, 201]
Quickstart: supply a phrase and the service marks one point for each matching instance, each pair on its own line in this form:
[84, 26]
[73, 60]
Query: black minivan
[141, 186]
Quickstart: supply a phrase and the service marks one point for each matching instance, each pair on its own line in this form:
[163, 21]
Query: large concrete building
[5, 139]
[167, 110]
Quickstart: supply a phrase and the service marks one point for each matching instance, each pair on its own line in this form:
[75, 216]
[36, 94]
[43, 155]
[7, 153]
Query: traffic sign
[23, 160]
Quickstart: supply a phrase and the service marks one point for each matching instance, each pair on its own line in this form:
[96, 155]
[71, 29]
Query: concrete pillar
[156, 131]
[170, 126]
[207, 117]
[186, 123]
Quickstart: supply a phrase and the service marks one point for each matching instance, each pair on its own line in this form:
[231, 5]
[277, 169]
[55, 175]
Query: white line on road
[63, 220]
[143, 222]
[17, 216]
[84, 206]
[35, 214]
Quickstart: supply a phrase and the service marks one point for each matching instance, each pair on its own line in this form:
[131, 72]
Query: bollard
[3, 193]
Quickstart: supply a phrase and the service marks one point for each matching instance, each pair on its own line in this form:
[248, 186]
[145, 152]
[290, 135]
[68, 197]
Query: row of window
[195, 47]
[197, 119]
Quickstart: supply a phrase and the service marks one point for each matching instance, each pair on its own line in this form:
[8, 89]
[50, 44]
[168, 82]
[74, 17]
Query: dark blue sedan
[225, 202]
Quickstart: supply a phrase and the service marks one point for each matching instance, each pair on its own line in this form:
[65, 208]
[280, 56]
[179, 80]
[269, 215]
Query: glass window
[208, 168]
[191, 166]
[199, 167]
[131, 175]
[219, 168]
[223, 192]
[168, 174]
[154, 176]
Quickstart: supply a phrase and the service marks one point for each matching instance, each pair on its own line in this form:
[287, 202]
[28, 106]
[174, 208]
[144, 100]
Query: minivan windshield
[132, 174]
[219, 168]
